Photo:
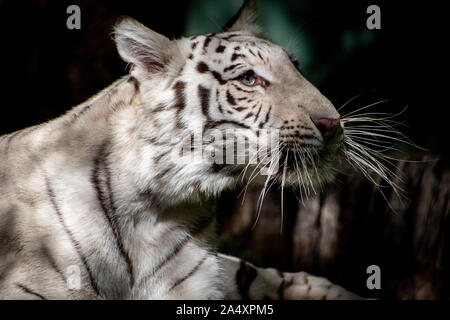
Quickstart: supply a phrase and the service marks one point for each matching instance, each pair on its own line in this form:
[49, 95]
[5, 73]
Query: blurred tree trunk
[350, 226]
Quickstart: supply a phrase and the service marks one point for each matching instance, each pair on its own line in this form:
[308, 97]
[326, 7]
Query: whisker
[283, 180]
[264, 189]
[355, 97]
[363, 108]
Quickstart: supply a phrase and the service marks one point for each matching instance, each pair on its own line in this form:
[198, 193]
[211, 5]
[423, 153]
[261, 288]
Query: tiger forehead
[237, 45]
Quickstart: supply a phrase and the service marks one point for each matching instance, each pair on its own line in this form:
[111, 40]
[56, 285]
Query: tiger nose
[328, 127]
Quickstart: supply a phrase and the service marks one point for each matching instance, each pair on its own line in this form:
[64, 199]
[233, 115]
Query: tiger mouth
[292, 164]
[293, 160]
[310, 158]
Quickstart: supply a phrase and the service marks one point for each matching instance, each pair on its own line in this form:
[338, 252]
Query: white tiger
[98, 191]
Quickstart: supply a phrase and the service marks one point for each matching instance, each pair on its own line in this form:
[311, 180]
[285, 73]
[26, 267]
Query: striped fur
[99, 190]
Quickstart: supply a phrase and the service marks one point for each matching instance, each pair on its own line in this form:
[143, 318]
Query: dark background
[46, 69]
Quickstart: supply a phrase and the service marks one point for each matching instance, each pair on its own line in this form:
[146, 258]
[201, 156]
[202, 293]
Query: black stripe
[257, 114]
[218, 77]
[109, 209]
[75, 243]
[136, 85]
[259, 55]
[204, 95]
[219, 106]
[220, 49]
[230, 98]
[237, 55]
[231, 67]
[180, 101]
[194, 231]
[266, 119]
[268, 115]
[240, 89]
[244, 279]
[29, 291]
[135, 82]
[206, 44]
[230, 36]
[202, 67]
[249, 115]
[171, 255]
[213, 124]
[179, 87]
[46, 253]
[159, 108]
[190, 274]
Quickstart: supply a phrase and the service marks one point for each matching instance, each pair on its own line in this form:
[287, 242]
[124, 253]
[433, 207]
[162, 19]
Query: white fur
[51, 196]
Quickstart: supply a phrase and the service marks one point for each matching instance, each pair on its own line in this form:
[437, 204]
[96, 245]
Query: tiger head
[226, 85]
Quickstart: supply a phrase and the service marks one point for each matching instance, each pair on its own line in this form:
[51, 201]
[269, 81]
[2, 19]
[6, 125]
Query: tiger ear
[147, 50]
[245, 19]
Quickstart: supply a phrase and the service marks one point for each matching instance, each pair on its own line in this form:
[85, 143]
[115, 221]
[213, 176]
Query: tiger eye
[248, 79]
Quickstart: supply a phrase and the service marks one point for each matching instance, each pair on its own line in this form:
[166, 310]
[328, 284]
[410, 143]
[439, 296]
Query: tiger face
[232, 88]
[250, 83]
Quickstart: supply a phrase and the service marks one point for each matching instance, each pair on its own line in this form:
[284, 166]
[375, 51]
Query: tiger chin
[101, 203]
